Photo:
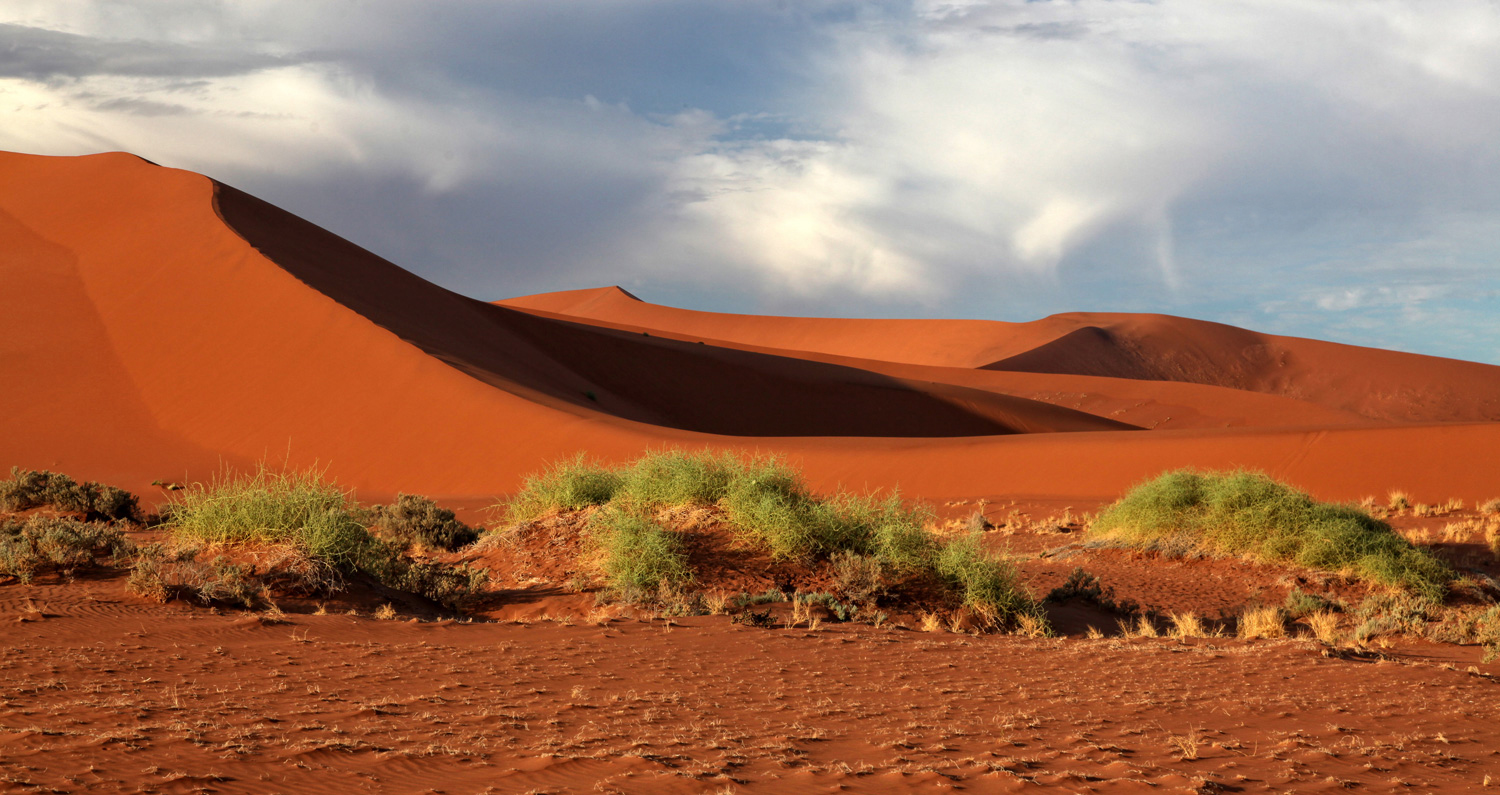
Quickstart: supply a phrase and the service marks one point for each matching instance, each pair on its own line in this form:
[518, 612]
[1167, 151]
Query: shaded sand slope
[143, 337]
[1142, 403]
[633, 376]
[1386, 386]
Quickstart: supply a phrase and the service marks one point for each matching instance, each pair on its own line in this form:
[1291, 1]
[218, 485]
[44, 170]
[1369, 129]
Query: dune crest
[159, 325]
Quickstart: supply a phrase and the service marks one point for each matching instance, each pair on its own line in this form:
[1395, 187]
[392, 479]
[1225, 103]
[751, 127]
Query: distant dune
[156, 324]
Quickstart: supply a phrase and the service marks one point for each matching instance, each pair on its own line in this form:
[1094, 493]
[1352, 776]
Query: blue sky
[1322, 169]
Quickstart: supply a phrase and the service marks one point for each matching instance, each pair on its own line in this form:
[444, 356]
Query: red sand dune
[155, 324]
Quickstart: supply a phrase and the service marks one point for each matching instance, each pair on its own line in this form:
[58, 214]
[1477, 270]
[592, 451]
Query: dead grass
[1188, 625]
[1325, 626]
[1261, 622]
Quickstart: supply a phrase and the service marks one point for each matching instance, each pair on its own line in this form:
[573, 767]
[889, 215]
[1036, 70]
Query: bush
[164, 575]
[1248, 513]
[570, 485]
[860, 578]
[641, 558]
[319, 520]
[44, 542]
[28, 489]
[415, 520]
[268, 507]
[989, 585]
[450, 586]
[677, 477]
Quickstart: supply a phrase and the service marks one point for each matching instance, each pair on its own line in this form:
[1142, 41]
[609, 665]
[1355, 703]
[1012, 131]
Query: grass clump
[27, 489]
[318, 520]
[570, 485]
[413, 520]
[679, 477]
[45, 543]
[164, 574]
[872, 542]
[988, 584]
[268, 507]
[1248, 513]
[640, 557]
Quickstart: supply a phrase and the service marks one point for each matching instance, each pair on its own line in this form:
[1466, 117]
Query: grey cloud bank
[1310, 168]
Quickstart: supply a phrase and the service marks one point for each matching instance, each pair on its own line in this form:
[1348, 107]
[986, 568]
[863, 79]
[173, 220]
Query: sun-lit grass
[569, 485]
[314, 515]
[640, 557]
[271, 507]
[1248, 513]
[768, 505]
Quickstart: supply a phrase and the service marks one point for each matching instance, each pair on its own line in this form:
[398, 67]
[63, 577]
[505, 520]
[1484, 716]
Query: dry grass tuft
[931, 622]
[1186, 745]
[1032, 626]
[1398, 501]
[386, 612]
[1262, 622]
[1188, 625]
[1145, 628]
[1325, 626]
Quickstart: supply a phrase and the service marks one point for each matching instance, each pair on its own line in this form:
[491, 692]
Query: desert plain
[161, 332]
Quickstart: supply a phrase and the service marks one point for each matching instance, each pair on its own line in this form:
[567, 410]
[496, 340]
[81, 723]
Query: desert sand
[157, 326]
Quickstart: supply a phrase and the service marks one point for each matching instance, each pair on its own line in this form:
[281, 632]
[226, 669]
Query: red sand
[156, 324]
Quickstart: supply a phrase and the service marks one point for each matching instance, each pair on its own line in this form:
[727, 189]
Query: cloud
[1291, 165]
[39, 54]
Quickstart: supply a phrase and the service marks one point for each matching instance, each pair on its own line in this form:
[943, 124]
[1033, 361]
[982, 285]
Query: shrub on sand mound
[28, 489]
[679, 477]
[767, 504]
[414, 519]
[1248, 513]
[269, 507]
[570, 485]
[640, 557]
[318, 519]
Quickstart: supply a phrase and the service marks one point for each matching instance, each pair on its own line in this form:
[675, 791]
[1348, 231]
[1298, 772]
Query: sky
[1319, 169]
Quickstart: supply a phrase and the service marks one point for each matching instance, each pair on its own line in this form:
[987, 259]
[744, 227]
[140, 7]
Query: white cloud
[984, 157]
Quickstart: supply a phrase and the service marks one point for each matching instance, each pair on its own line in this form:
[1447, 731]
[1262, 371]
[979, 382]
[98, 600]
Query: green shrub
[268, 507]
[28, 489]
[1300, 603]
[569, 485]
[640, 557]
[320, 520]
[415, 520]
[1248, 513]
[44, 543]
[989, 585]
[677, 477]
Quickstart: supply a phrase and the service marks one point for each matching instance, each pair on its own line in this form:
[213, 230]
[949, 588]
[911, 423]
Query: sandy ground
[100, 692]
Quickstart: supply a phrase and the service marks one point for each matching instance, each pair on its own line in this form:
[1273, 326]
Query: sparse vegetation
[413, 520]
[43, 543]
[1247, 513]
[569, 485]
[989, 585]
[27, 489]
[1262, 622]
[872, 542]
[320, 520]
[640, 557]
[164, 574]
